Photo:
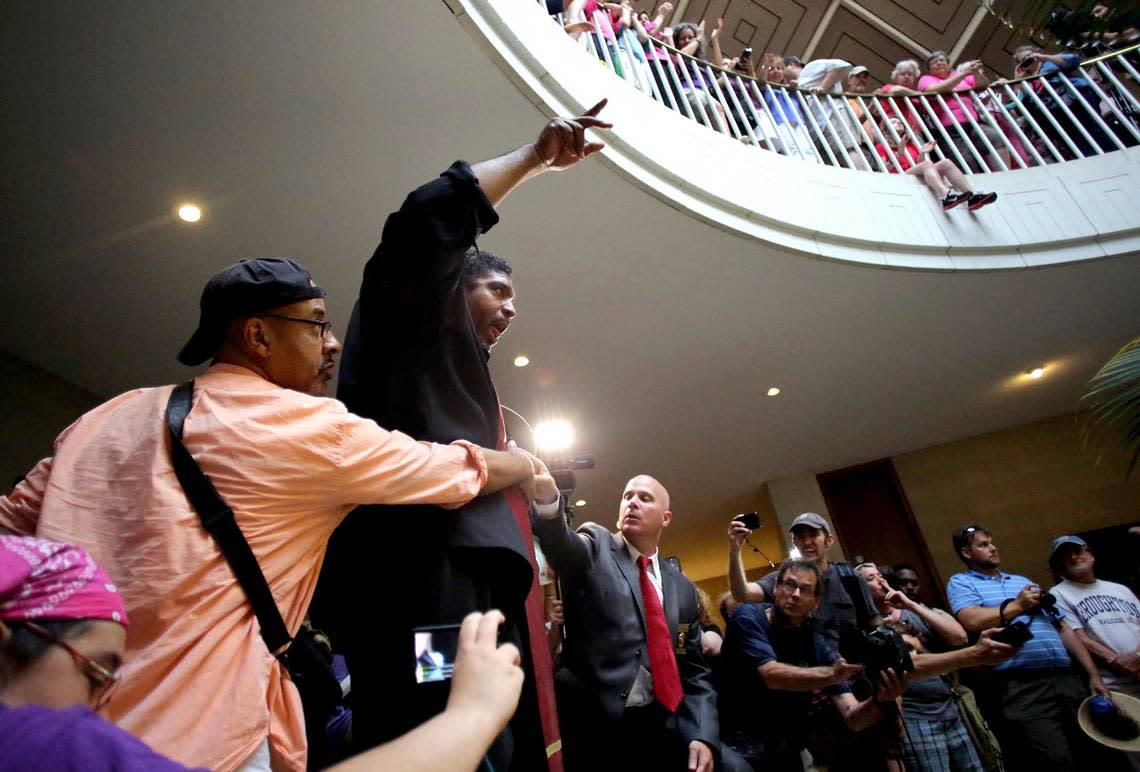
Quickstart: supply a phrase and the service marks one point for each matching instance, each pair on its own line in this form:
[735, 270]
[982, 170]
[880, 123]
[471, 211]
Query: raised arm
[743, 591]
[948, 630]
[561, 144]
[715, 55]
[663, 14]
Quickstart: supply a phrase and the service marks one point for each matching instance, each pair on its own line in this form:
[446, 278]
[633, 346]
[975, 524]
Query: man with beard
[1105, 615]
[431, 306]
[1035, 691]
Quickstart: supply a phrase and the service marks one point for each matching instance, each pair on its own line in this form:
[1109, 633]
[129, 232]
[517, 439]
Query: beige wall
[1028, 484]
[35, 406]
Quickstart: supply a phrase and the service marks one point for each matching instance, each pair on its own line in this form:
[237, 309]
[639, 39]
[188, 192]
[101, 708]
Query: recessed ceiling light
[1037, 372]
[774, 391]
[521, 361]
[189, 213]
[580, 503]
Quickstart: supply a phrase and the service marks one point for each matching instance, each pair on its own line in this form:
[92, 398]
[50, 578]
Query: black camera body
[1015, 634]
[879, 650]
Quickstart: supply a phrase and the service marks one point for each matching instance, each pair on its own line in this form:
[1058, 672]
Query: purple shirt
[35, 737]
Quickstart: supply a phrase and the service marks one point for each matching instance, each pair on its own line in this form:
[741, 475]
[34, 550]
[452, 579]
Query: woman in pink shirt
[960, 111]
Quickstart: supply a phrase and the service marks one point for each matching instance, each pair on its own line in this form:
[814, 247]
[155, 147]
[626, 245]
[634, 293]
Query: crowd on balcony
[1046, 110]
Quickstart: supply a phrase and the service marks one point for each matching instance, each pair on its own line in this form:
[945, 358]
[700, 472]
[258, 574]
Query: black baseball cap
[245, 288]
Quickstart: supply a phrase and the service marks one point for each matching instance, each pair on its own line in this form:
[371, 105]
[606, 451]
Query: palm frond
[1111, 404]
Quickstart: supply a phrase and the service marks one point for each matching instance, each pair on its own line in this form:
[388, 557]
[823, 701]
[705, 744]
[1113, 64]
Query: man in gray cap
[1104, 615]
[812, 536]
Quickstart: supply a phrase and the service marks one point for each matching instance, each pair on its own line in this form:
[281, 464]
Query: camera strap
[218, 520]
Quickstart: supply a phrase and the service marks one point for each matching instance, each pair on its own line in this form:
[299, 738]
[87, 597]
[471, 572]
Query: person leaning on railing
[689, 39]
[1030, 60]
[960, 118]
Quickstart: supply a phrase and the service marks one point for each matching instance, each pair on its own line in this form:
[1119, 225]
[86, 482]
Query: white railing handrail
[1078, 111]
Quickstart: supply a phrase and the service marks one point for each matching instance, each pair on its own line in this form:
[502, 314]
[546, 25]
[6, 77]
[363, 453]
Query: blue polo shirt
[974, 588]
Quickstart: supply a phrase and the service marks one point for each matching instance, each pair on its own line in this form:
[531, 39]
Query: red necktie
[666, 679]
[536, 625]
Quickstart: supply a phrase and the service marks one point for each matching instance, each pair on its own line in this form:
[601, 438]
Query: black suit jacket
[605, 624]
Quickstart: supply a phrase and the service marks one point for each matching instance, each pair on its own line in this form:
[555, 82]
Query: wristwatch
[1001, 611]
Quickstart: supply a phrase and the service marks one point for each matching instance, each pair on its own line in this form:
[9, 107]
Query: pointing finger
[598, 107]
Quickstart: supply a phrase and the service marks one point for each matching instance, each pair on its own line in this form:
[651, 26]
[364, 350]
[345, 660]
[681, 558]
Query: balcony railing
[1063, 115]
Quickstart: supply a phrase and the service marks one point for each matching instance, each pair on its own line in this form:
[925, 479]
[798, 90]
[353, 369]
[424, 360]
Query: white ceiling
[300, 126]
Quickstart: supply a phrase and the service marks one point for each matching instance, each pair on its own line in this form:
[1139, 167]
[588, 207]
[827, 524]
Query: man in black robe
[415, 360]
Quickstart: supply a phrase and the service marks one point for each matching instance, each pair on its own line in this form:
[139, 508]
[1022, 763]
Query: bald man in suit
[633, 689]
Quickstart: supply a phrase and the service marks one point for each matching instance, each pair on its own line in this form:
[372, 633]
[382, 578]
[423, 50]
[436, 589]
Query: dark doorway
[874, 522]
[1117, 554]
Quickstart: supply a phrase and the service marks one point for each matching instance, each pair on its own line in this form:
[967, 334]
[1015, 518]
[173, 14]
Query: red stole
[536, 625]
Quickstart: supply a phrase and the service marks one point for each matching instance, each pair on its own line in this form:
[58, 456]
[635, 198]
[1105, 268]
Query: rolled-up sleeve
[381, 467]
[20, 509]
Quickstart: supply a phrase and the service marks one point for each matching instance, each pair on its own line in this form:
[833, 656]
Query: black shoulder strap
[218, 520]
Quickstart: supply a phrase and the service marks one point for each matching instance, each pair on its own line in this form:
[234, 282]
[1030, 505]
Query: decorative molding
[809, 52]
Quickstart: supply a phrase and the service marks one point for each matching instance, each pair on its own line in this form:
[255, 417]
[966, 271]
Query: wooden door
[874, 522]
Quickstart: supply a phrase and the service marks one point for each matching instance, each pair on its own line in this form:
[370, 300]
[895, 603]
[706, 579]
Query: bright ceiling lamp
[554, 435]
[522, 360]
[774, 391]
[1036, 372]
[189, 213]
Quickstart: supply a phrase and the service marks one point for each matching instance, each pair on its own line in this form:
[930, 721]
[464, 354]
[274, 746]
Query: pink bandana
[41, 579]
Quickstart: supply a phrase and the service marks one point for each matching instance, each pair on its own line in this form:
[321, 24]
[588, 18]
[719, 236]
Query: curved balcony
[783, 165]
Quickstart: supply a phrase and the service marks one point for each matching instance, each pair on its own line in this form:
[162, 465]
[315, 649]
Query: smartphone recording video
[436, 647]
[750, 520]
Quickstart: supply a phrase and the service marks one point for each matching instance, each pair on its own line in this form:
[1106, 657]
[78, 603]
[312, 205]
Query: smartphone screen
[435, 649]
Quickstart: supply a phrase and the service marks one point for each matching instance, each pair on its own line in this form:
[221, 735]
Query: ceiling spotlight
[189, 213]
[580, 503]
[774, 391]
[554, 435]
[521, 361]
[1037, 372]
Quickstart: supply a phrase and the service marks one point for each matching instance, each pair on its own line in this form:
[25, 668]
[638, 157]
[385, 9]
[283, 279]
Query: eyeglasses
[101, 679]
[791, 585]
[326, 327]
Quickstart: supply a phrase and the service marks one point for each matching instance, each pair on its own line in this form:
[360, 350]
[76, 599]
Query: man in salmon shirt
[199, 684]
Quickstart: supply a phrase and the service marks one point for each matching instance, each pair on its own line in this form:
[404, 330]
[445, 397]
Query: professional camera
[1014, 633]
[1048, 603]
[879, 650]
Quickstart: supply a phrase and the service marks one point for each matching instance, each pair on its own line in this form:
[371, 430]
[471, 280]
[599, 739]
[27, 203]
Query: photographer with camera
[839, 600]
[1035, 693]
[774, 659]
[936, 737]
